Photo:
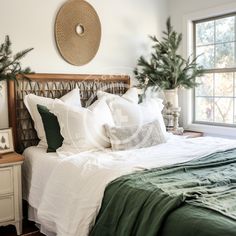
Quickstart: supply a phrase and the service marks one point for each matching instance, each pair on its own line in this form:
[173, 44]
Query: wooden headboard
[53, 86]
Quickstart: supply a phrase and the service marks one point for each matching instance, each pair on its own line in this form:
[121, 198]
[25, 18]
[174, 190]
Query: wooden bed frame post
[12, 110]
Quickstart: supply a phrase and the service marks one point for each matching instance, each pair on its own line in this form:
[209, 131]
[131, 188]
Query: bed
[125, 192]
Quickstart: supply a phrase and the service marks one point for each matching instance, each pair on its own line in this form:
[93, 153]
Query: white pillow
[125, 113]
[133, 137]
[131, 95]
[31, 101]
[102, 111]
[72, 98]
[82, 128]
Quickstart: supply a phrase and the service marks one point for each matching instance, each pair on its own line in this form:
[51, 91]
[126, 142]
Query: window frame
[215, 71]
[186, 96]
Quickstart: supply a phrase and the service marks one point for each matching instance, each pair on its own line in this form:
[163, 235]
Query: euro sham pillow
[51, 127]
[31, 101]
[72, 98]
[131, 95]
[125, 113]
[136, 136]
[82, 128]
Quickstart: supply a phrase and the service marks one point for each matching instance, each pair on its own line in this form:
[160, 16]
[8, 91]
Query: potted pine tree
[165, 69]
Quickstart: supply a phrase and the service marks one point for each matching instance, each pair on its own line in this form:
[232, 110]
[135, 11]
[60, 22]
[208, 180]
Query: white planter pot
[171, 97]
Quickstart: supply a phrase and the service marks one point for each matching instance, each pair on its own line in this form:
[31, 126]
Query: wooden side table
[189, 134]
[192, 134]
[11, 190]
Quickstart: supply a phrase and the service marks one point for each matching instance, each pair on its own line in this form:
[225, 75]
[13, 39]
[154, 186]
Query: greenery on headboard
[10, 65]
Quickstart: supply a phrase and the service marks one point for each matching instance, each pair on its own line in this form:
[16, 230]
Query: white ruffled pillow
[31, 101]
[82, 128]
[125, 113]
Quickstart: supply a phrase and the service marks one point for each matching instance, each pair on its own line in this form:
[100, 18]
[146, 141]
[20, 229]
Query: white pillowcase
[131, 95]
[82, 128]
[31, 101]
[133, 137]
[102, 111]
[72, 98]
[125, 113]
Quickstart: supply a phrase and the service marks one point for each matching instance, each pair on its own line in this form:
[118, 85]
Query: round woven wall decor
[77, 32]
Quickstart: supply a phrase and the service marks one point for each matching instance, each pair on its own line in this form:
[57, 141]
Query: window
[215, 44]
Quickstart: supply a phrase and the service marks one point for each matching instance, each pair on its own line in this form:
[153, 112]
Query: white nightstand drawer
[6, 180]
[10, 191]
[7, 209]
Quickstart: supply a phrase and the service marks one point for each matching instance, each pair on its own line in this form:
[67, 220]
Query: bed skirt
[33, 216]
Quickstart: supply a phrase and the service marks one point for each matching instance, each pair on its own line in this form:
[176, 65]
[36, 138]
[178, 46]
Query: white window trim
[187, 95]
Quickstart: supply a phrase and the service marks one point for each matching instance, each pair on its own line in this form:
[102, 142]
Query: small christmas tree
[166, 69]
[10, 65]
[3, 140]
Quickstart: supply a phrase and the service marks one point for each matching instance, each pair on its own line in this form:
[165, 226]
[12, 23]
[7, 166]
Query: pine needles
[10, 65]
[166, 69]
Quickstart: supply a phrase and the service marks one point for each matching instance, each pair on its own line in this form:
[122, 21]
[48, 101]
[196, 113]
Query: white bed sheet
[36, 170]
[69, 191]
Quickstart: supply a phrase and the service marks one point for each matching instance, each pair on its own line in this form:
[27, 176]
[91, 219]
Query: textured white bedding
[67, 193]
[36, 170]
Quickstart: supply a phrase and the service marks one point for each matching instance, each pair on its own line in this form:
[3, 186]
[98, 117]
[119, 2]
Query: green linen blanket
[138, 204]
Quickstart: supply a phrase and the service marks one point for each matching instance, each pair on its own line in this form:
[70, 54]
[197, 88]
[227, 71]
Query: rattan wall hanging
[77, 32]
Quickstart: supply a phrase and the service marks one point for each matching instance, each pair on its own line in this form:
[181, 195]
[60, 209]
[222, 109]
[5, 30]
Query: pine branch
[166, 69]
[10, 64]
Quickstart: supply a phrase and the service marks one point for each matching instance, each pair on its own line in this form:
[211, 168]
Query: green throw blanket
[138, 204]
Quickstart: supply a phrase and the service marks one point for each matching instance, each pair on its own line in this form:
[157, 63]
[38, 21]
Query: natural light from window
[215, 43]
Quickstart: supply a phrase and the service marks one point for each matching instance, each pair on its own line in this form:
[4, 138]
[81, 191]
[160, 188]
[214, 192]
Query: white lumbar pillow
[31, 101]
[125, 113]
[82, 128]
[131, 95]
[135, 136]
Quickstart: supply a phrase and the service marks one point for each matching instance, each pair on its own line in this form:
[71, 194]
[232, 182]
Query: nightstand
[189, 134]
[192, 134]
[10, 190]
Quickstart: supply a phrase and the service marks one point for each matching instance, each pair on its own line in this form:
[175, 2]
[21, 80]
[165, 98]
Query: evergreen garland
[166, 69]
[10, 65]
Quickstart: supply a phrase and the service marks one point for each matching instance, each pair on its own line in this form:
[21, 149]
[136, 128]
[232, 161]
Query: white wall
[125, 26]
[178, 9]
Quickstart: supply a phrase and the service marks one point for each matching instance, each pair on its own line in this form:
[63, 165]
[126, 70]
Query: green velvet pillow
[51, 127]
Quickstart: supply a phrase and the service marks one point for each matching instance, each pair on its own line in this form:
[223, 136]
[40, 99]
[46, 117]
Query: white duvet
[73, 193]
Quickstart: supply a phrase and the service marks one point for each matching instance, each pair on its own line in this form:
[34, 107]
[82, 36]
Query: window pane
[224, 84]
[224, 110]
[206, 56]
[204, 109]
[224, 55]
[205, 33]
[206, 85]
[225, 29]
